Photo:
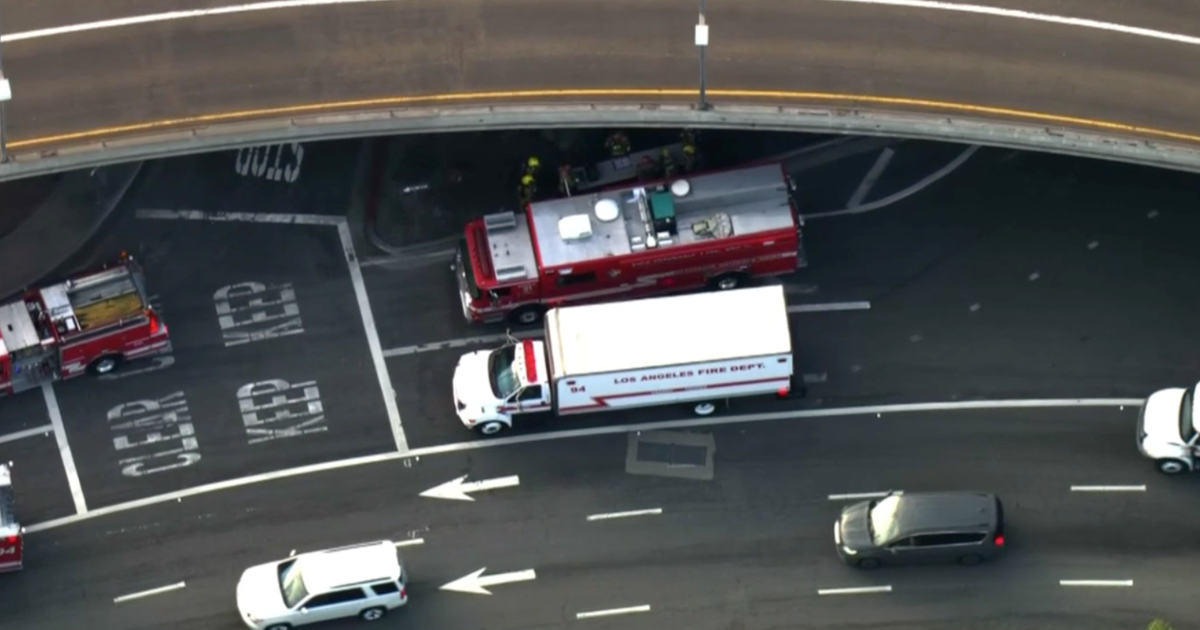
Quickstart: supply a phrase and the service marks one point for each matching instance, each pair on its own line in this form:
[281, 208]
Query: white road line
[460, 447]
[19, 435]
[613, 611]
[872, 176]
[1037, 17]
[1095, 582]
[830, 306]
[458, 343]
[64, 449]
[630, 513]
[243, 217]
[368, 319]
[170, 15]
[410, 543]
[856, 590]
[907, 192]
[1108, 488]
[153, 591]
[854, 496]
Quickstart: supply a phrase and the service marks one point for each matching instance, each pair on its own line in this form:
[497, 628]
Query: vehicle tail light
[403, 592]
[999, 540]
[784, 391]
[153, 322]
[11, 540]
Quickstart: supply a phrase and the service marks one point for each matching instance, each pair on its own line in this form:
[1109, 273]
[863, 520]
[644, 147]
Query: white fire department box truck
[11, 544]
[697, 349]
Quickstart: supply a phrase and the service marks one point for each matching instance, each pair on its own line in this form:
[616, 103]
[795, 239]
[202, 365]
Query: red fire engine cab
[12, 545]
[717, 230]
[89, 323]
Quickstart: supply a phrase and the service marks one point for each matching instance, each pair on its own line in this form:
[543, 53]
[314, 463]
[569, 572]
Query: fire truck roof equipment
[17, 331]
[665, 331]
[95, 300]
[8, 513]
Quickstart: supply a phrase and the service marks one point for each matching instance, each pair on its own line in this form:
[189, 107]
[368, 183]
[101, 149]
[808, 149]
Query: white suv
[363, 580]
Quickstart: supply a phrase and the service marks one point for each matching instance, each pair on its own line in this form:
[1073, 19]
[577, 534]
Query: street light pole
[702, 44]
[5, 96]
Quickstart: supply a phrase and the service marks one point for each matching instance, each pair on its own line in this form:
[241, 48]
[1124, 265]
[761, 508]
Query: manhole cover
[671, 454]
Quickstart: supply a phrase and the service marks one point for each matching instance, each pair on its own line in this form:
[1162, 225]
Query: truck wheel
[490, 428]
[867, 563]
[1171, 466]
[106, 364]
[706, 408]
[526, 315]
[728, 281]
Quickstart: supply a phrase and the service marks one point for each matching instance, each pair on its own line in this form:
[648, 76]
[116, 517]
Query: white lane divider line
[855, 590]
[64, 449]
[238, 217]
[1095, 582]
[376, 348]
[613, 611]
[1108, 488]
[153, 591]
[829, 307]
[629, 514]
[409, 543]
[868, 182]
[457, 343]
[1036, 17]
[20, 435]
[862, 495]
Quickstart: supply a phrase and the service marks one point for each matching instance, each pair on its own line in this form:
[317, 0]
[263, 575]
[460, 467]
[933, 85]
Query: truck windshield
[1187, 429]
[504, 382]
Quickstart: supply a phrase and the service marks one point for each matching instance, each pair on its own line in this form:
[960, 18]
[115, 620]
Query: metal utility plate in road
[671, 454]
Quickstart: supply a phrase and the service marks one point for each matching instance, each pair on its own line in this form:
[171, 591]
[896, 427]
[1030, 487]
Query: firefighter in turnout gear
[568, 183]
[667, 163]
[528, 189]
[533, 166]
[646, 169]
[688, 138]
[617, 144]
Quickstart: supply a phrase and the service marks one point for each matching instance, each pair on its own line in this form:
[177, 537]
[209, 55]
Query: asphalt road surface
[1014, 276]
[217, 64]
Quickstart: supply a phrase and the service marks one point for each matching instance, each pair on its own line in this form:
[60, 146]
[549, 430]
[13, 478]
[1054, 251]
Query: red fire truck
[717, 230]
[12, 546]
[89, 323]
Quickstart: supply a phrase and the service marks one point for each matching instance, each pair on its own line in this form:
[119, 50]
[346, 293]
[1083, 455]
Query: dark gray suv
[930, 527]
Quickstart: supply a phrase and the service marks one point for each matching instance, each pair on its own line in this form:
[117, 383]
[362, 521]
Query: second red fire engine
[715, 230]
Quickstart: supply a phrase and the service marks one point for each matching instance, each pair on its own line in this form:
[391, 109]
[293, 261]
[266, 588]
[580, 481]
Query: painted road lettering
[268, 162]
[273, 415]
[247, 315]
[144, 429]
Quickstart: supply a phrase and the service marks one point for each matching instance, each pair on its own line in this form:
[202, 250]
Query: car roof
[343, 566]
[941, 511]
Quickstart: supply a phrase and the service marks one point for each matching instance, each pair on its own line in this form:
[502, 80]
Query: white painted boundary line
[20, 435]
[630, 513]
[410, 543]
[171, 15]
[872, 176]
[863, 495]
[1108, 488]
[368, 319]
[458, 447]
[153, 591]
[1037, 17]
[829, 307]
[856, 590]
[907, 192]
[1095, 582]
[613, 611]
[64, 450]
[356, 278]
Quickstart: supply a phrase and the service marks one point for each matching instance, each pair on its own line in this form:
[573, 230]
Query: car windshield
[291, 583]
[1187, 430]
[504, 382]
[881, 520]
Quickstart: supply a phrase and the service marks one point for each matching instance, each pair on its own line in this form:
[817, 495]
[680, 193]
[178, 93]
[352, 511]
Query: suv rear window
[387, 588]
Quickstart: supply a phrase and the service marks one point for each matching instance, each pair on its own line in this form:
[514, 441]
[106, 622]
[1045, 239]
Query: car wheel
[868, 563]
[372, 614]
[728, 281]
[490, 428]
[526, 316]
[105, 365]
[705, 408]
[280, 626]
[1172, 466]
[970, 560]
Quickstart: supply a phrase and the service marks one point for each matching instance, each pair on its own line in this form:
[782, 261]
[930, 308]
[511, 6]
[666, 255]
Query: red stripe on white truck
[602, 401]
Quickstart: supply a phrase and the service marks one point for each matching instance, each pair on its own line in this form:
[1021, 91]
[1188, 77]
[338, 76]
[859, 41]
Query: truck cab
[490, 386]
[1168, 429]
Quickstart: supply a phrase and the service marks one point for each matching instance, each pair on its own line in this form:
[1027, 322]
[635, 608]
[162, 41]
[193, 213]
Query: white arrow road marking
[457, 489]
[477, 582]
[153, 591]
